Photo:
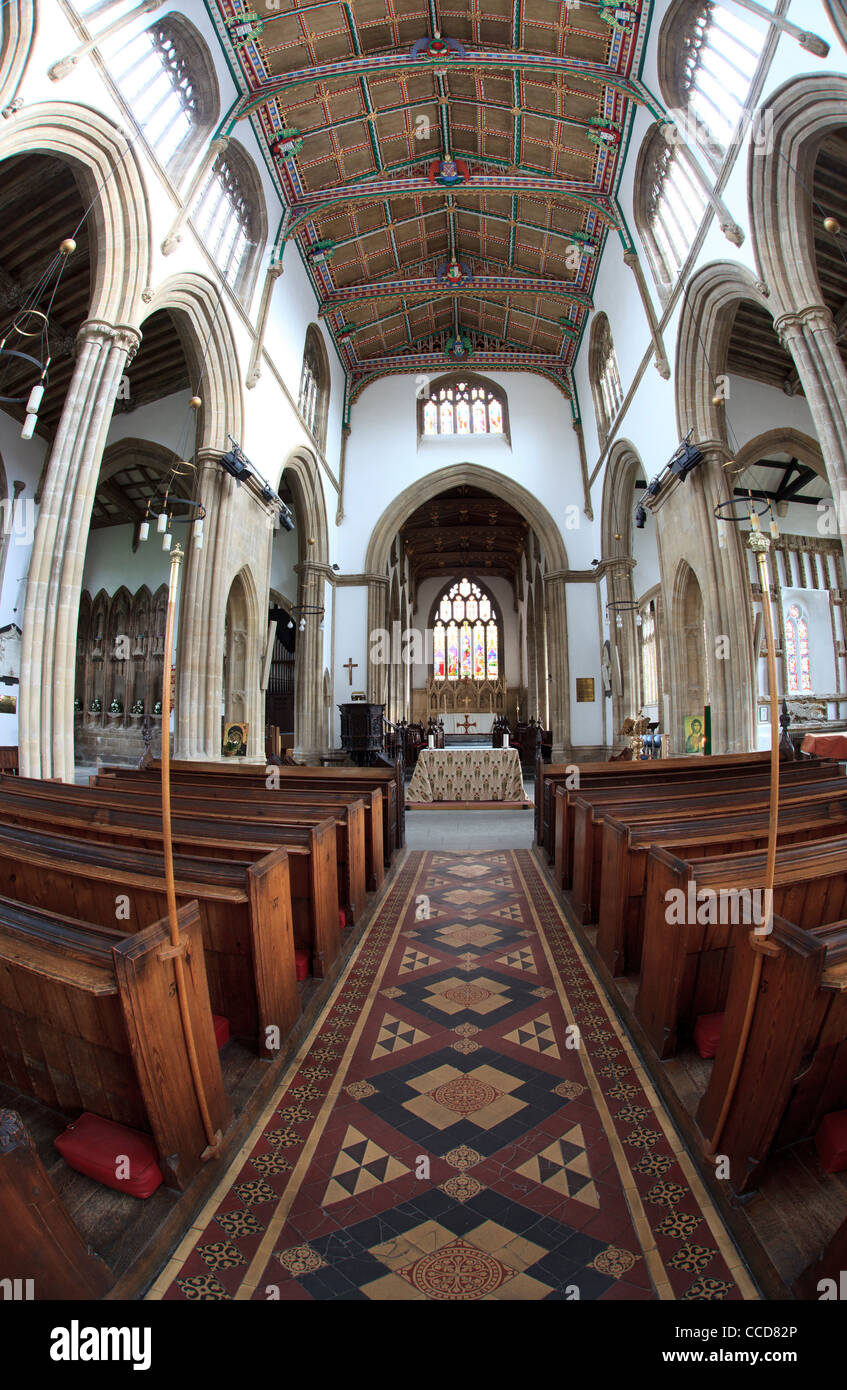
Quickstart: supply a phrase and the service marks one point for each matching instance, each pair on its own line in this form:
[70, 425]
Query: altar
[466, 774]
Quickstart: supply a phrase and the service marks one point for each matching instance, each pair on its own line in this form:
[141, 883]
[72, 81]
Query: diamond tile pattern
[454, 1144]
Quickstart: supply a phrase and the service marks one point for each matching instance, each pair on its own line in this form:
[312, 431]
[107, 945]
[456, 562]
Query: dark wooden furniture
[362, 731]
[41, 1244]
[89, 1020]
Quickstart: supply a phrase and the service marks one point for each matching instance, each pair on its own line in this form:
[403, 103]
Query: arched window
[604, 375]
[168, 79]
[466, 635]
[797, 657]
[313, 400]
[461, 405]
[649, 655]
[230, 218]
[708, 54]
[669, 207]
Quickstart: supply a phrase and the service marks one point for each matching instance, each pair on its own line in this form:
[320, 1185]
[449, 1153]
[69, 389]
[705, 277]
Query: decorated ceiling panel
[449, 174]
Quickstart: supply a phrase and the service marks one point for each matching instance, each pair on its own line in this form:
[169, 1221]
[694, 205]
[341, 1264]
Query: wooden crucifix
[350, 666]
[466, 724]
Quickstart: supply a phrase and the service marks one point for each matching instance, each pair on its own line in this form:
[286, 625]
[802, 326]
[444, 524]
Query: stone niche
[120, 654]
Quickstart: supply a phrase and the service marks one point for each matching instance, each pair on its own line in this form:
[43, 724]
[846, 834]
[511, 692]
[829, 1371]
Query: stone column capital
[790, 327]
[120, 335]
[377, 579]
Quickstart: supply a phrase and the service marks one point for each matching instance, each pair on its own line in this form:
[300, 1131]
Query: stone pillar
[583, 465]
[625, 639]
[659, 357]
[48, 657]
[196, 733]
[201, 173]
[555, 601]
[254, 371]
[309, 713]
[345, 435]
[810, 337]
[377, 618]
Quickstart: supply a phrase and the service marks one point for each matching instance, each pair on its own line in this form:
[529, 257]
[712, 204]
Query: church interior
[423, 639]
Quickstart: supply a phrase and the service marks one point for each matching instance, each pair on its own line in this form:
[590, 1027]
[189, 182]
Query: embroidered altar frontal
[467, 1121]
[467, 774]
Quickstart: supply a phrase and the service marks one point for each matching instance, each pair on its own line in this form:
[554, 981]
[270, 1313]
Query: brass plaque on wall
[585, 690]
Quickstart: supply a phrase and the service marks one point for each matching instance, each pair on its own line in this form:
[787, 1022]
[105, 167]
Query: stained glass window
[797, 652]
[452, 652]
[479, 652]
[466, 667]
[465, 635]
[462, 407]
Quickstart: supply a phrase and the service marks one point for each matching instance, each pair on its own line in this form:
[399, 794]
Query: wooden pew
[245, 914]
[388, 780]
[311, 851]
[548, 777]
[41, 1243]
[626, 847]
[794, 1069]
[830, 1264]
[686, 966]
[285, 827]
[677, 786]
[89, 1020]
[233, 794]
[675, 801]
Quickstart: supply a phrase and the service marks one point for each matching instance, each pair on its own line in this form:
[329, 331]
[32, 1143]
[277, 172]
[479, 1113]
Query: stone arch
[457, 475]
[798, 117]
[689, 646]
[111, 182]
[196, 306]
[705, 328]
[241, 660]
[304, 479]
[552, 546]
[782, 440]
[836, 12]
[20, 22]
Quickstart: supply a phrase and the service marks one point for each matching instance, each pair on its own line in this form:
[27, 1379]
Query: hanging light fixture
[28, 323]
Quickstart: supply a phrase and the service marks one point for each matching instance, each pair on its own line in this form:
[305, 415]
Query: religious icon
[235, 740]
[695, 736]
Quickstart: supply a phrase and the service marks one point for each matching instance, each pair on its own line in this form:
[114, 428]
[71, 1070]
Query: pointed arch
[112, 184]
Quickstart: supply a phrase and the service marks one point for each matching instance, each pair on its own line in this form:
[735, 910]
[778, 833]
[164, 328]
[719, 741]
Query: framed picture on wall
[235, 740]
[694, 733]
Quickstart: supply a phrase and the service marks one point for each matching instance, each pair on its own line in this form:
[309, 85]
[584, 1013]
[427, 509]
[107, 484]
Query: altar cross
[350, 666]
[466, 724]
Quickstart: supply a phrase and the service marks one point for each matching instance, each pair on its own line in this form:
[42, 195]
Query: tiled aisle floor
[442, 1136]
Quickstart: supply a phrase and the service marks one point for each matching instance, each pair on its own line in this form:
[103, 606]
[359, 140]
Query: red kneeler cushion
[221, 1029]
[342, 918]
[707, 1034]
[95, 1146]
[831, 1141]
[301, 964]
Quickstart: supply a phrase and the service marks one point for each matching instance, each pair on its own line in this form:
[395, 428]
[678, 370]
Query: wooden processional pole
[760, 546]
[177, 949]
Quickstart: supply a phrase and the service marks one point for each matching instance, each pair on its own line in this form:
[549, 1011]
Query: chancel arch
[432, 517]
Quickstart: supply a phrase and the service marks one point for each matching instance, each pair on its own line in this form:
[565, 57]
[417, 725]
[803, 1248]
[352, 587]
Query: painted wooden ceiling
[448, 167]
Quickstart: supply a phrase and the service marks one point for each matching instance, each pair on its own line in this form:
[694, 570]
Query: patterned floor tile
[468, 1150]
